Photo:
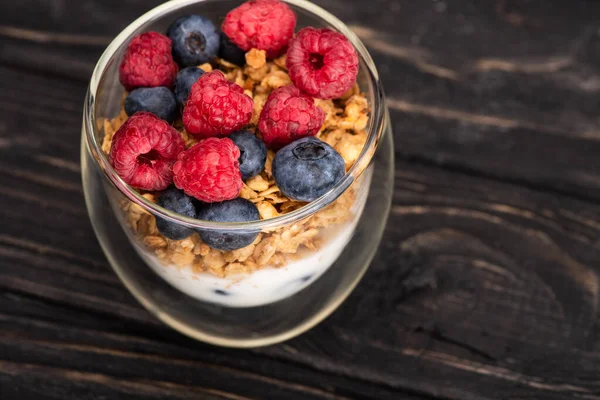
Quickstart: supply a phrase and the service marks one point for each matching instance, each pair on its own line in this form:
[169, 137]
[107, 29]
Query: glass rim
[375, 127]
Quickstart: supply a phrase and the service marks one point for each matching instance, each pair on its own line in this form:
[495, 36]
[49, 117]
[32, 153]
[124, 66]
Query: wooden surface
[486, 285]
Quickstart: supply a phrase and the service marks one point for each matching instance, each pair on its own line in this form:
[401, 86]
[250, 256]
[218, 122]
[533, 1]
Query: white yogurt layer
[267, 285]
[260, 287]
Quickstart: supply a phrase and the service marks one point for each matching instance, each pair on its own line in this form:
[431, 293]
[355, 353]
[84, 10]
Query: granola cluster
[344, 129]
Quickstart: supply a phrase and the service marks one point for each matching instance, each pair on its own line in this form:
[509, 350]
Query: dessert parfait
[248, 122]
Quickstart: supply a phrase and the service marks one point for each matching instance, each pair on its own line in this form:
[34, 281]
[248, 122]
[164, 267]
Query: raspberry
[209, 170]
[143, 151]
[322, 63]
[216, 107]
[289, 115]
[148, 62]
[261, 24]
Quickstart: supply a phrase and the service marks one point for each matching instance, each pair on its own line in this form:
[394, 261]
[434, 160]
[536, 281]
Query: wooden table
[486, 285]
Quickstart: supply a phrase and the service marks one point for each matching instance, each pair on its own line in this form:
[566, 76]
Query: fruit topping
[143, 151]
[195, 40]
[253, 153]
[322, 62]
[148, 62]
[216, 107]
[183, 83]
[289, 115]
[306, 169]
[261, 24]
[159, 101]
[177, 201]
[228, 51]
[209, 170]
[237, 210]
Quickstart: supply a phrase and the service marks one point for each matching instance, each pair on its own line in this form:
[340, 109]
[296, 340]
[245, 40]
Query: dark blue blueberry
[236, 210]
[253, 153]
[160, 101]
[177, 201]
[184, 81]
[230, 52]
[195, 40]
[306, 169]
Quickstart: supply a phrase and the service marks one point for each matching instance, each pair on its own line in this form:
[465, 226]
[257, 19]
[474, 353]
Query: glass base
[248, 326]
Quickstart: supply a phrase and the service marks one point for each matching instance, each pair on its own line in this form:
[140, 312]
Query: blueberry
[195, 40]
[177, 201]
[160, 101]
[306, 169]
[253, 153]
[236, 210]
[184, 81]
[230, 52]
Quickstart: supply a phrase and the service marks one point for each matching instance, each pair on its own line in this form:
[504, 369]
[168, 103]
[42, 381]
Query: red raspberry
[148, 62]
[143, 151]
[322, 63]
[261, 24]
[289, 115]
[210, 170]
[216, 107]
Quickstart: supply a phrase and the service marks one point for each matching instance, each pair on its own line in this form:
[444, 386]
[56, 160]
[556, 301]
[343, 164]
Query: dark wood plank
[161, 356]
[41, 382]
[481, 290]
[504, 88]
[479, 284]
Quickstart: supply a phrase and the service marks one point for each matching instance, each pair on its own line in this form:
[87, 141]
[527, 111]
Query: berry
[175, 200]
[183, 83]
[209, 170]
[261, 24]
[237, 210]
[322, 63]
[307, 168]
[143, 151]
[148, 62]
[253, 153]
[216, 107]
[289, 115]
[195, 40]
[228, 51]
[160, 101]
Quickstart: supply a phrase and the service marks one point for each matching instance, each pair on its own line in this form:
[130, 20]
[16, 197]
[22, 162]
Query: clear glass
[300, 285]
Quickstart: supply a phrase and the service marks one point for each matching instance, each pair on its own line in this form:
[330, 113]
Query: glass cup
[301, 265]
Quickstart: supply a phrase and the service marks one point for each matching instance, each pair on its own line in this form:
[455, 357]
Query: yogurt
[261, 287]
[269, 284]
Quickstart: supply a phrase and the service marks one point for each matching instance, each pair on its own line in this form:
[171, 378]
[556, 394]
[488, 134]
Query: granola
[344, 129]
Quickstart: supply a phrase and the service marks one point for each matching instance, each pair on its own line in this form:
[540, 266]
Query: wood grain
[486, 284]
[458, 250]
[470, 83]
